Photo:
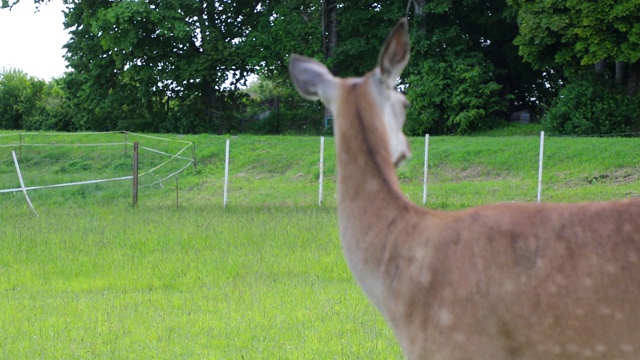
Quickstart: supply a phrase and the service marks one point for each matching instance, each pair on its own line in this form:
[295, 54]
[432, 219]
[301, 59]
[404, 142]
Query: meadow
[180, 277]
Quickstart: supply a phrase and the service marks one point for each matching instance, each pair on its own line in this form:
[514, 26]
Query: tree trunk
[601, 66]
[329, 29]
[329, 36]
[634, 76]
[621, 68]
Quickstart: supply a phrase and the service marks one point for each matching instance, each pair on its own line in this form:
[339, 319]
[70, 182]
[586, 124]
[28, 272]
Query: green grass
[513, 129]
[94, 277]
[190, 283]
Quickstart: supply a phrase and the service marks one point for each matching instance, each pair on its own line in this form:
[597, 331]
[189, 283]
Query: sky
[32, 41]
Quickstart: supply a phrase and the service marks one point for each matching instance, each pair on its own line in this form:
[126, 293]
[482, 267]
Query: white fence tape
[158, 138]
[66, 184]
[167, 154]
[169, 176]
[59, 145]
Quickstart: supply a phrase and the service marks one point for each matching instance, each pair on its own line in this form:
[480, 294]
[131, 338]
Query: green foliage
[465, 73]
[174, 65]
[51, 111]
[14, 87]
[590, 105]
[283, 28]
[137, 62]
[363, 27]
[453, 94]
[274, 107]
[32, 104]
[573, 33]
[8, 4]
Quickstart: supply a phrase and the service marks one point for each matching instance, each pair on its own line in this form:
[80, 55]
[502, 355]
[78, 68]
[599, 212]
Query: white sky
[32, 42]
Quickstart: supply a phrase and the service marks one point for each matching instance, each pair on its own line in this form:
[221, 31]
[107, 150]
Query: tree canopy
[183, 66]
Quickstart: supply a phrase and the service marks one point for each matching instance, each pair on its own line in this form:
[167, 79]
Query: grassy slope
[283, 170]
[94, 278]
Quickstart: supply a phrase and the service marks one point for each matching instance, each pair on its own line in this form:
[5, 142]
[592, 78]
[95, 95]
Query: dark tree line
[183, 65]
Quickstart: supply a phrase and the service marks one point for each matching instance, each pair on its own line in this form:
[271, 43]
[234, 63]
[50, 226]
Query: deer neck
[369, 197]
[364, 180]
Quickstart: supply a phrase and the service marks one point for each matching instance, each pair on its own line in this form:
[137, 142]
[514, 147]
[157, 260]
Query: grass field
[94, 277]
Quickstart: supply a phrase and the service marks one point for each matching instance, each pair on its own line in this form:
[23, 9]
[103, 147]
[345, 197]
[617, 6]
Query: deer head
[314, 81]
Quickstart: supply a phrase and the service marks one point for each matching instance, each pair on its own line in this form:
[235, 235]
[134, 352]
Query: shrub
[454, 95]
[590, 104]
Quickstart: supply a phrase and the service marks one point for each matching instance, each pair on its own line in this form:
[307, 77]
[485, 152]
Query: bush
[274, 107]
[453, 96]
[589, 105]
[15, 86]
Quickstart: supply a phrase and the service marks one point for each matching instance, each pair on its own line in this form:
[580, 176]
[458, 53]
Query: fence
[39, 151]
[440, 173]
[425, 177]
[492, 168]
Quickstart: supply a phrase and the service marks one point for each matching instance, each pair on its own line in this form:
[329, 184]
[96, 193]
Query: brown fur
[507, 281]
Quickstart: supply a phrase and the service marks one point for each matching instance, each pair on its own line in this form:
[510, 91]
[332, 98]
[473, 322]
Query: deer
[515, 281]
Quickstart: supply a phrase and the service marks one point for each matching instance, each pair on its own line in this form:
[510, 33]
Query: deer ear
[311, 78]
[395, 52]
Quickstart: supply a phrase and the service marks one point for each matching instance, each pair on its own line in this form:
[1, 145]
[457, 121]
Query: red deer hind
[506, 281]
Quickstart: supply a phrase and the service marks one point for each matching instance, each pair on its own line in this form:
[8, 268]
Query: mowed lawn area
[117, 282]
[93, 277]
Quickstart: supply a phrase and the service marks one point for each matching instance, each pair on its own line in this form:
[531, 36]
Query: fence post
[426, 169]
[321, 170]
[135, 173]
[193, 153]
[24, 190]
[226, 174]
[540, 165]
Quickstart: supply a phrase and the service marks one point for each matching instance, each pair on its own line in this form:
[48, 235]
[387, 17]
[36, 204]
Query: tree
[19, 95]
[7, 4]
[589, 105]
[571, 34]
[361, 27]
[570, 37]
[134, 62]
[465, 73]
[346, 35]
[283, 28]
[453, 95]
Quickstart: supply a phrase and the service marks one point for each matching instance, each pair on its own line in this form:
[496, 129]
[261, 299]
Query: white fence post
[426, 166]
[321, 170]
[24, 190]
[136, 153]
[540, 165]
[226, 174]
